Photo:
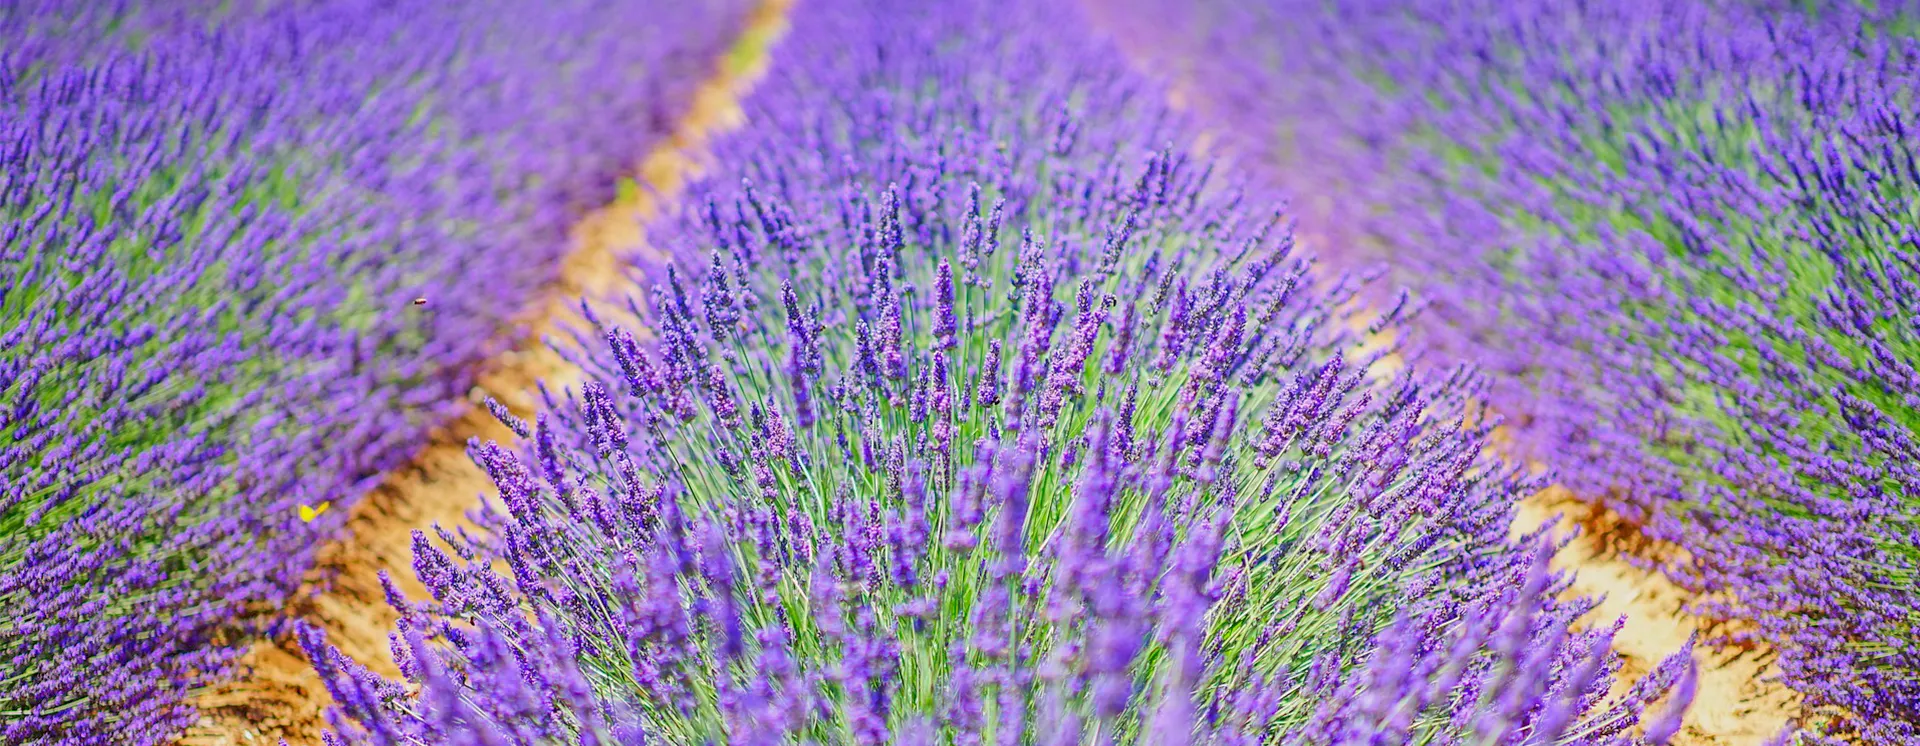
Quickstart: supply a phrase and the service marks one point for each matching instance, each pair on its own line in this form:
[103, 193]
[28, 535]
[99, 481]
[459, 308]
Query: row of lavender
[1682, 234]
[215, 219]
[975, 412]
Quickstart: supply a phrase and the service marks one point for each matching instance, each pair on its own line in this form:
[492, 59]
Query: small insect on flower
[419, 301]
[309, 512]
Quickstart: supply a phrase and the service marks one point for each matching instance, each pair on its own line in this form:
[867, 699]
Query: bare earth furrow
[277, 695]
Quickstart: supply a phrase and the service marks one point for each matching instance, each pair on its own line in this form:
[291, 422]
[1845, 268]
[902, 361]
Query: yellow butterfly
[308, 512]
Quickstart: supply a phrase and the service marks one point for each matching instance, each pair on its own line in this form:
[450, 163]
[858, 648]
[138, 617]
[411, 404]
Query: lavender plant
[971, 417]
[214, 218]
[1681, 234]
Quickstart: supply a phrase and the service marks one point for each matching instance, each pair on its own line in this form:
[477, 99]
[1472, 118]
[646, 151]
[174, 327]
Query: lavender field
[985, 371]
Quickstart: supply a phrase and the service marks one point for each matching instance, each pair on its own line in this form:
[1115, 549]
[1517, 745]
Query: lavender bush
[215, 219]
[1681, 234]
[973, 417]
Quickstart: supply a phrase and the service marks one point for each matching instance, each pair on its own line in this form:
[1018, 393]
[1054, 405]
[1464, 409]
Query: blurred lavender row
[976, 408]
[1683, 237]
[215, 218]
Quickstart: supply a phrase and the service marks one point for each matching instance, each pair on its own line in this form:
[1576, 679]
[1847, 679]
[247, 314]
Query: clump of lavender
[214, 217]
[967, 419]
[1682, 236]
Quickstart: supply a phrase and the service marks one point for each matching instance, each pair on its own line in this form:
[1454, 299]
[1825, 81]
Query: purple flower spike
[1128, 483]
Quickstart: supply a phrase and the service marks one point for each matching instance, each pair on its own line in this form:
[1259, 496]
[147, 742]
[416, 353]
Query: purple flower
[1118, 556]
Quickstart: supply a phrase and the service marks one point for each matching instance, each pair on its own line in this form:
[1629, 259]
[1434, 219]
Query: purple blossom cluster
[214, 219]
[1681, 236]
[974, 412]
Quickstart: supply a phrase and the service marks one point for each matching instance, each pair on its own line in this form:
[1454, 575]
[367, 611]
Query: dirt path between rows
[277, 695]
[1739, 700]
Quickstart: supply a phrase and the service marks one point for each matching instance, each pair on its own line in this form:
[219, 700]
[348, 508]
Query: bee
[309, 512]
[419, 301]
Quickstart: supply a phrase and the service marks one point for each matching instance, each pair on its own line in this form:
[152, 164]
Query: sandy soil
[1739, 700]
[277, 694]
